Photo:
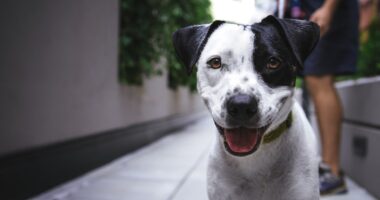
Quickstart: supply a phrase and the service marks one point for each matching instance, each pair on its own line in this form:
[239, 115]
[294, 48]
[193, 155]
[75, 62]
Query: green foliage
[146, 33]
[369, 57]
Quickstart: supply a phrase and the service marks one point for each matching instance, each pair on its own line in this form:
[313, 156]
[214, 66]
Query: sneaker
[329, 183]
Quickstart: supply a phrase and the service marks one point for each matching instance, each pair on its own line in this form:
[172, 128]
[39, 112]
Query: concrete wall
[58, 75]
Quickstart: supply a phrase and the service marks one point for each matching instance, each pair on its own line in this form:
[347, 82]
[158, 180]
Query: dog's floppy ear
[190, 41]
[301, 35]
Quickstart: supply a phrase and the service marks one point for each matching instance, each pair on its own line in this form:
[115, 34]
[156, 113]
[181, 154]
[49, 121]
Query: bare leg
[329, 116]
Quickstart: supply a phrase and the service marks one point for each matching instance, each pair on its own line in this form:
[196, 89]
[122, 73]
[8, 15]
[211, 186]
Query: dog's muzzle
[242, 139]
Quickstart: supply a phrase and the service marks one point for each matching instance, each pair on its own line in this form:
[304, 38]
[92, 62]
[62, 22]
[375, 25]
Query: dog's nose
[242, 106]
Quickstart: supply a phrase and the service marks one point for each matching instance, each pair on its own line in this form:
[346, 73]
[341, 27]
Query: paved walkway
[173, 168]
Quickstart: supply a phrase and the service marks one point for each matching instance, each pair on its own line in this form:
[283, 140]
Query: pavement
[172, 168]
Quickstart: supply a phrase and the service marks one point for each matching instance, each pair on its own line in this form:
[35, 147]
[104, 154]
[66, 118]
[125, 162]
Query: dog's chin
[241, 141]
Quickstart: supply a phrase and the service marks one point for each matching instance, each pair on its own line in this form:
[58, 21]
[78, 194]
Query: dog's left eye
[215, 63]
[273, 63]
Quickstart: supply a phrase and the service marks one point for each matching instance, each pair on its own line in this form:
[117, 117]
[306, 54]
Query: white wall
[58, 75]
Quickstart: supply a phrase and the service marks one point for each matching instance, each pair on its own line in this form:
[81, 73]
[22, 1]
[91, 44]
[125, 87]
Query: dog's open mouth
[241, 141]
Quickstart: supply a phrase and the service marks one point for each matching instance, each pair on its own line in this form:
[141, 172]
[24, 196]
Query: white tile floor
[173, 168]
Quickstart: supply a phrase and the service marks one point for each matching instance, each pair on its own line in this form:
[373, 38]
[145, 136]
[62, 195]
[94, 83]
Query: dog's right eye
[273, 63]
[215, 63]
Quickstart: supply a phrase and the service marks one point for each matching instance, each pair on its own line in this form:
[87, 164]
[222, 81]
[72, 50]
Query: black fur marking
[206, 102]
[223, 114]
[272, 41]
[300, 36]
[189, 42]
[283, 100]
[245, 79]
[268, 44]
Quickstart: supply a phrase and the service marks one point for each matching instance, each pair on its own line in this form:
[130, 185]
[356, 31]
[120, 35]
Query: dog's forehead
[229, 38]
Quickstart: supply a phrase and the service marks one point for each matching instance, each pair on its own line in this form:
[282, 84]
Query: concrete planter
[360, 145]
[360, 140]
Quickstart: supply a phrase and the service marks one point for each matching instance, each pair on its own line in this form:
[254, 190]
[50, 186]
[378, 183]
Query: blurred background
[85, 83]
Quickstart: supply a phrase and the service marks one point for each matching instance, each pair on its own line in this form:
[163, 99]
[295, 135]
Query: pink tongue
[241, 140]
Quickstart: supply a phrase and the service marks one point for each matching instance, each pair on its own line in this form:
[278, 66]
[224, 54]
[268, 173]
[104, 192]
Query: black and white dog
[265, 148]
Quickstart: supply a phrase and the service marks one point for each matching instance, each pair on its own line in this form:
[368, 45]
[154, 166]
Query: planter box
[360, 147]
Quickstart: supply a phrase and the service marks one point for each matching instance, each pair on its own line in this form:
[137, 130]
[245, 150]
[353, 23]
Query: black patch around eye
[268, 43]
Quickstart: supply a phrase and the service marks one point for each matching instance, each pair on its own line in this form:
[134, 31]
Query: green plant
[369, 54]
[146, 33]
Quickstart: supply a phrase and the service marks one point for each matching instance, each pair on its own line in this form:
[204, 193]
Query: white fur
[283, 169]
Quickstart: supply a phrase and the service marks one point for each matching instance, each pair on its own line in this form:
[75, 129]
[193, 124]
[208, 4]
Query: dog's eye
[273, 63]
[215, 63]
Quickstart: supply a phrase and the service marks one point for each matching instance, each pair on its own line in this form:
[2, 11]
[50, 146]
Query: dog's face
[246, 74]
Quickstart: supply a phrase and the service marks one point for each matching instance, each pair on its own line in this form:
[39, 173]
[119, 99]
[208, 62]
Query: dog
[265, 147]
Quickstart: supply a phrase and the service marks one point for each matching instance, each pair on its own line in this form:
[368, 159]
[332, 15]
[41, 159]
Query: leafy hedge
[145, 37]
[369, 57]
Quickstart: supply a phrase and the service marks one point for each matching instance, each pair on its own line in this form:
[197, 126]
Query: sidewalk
[173, 168]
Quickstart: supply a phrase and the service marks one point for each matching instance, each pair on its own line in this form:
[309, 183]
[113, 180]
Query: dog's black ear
[301, 35]
[189, 42]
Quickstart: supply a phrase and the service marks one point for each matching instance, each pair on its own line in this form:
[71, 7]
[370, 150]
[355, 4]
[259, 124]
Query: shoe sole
[340, 190]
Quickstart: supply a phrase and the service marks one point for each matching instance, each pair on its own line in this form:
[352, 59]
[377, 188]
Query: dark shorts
[337, 51]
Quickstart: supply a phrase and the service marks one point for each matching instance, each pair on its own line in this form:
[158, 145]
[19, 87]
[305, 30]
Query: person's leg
[329, 116]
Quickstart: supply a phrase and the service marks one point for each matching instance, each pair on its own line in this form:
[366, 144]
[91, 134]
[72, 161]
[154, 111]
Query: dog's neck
[273, 135]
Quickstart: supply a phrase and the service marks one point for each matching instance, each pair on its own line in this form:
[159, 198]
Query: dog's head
[246, 73]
